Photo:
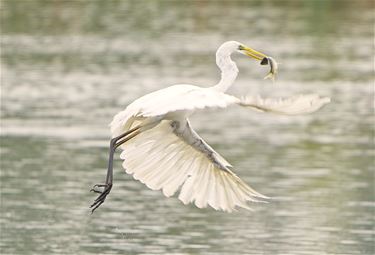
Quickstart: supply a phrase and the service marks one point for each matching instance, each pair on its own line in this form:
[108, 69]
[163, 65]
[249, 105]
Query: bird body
[162, 150]
[176, 102]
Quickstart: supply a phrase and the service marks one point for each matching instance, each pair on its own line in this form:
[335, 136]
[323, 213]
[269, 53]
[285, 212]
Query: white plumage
[300, 104]
[164, 160]
[169, 155]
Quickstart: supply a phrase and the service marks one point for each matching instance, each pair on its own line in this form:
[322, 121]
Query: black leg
[114, 144]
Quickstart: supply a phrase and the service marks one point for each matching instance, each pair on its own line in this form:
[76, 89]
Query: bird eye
[241, 47]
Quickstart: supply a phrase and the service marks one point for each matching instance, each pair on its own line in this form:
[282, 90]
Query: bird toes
[103, 195]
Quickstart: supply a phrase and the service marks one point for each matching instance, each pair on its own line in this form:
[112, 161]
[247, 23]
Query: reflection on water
[68, 66]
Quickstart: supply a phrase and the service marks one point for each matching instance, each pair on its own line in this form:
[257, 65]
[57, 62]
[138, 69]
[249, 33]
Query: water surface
[69, 66]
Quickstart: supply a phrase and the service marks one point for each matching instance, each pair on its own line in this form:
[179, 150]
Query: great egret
[161, 149]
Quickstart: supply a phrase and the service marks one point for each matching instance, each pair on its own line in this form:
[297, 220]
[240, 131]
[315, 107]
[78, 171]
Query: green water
[69, 66]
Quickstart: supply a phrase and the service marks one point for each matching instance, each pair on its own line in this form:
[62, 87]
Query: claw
[98, 186]
[103, 195]
[96, 191]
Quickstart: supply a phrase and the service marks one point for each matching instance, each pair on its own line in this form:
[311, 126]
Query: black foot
[103, 194]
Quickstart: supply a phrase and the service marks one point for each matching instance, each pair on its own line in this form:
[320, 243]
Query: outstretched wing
[172, 156]
[301, 104]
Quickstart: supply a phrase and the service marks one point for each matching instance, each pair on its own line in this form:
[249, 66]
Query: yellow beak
[252, 53]
[265, 60]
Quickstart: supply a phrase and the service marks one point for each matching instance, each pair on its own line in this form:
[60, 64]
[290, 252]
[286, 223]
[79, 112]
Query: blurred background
[68, 66]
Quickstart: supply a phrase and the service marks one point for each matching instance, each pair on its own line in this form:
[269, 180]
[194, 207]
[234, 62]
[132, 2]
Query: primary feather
[166, 160]
[300, 104]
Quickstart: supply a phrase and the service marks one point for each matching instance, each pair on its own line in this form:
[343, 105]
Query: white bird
[162, 150]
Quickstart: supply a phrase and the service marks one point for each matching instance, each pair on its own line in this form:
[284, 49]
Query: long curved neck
[229, 72]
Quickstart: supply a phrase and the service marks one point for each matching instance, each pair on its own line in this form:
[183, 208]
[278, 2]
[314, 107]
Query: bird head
[227, 48]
